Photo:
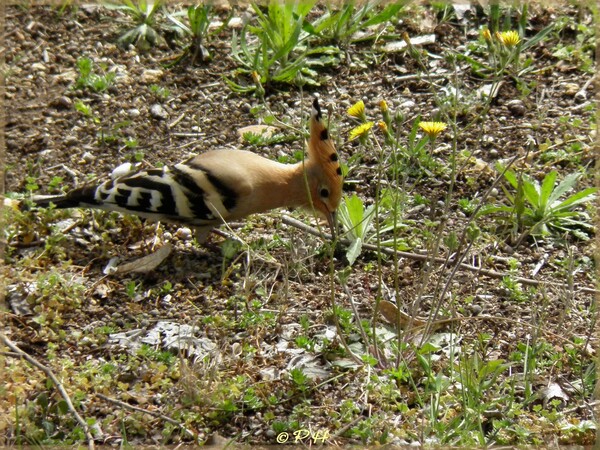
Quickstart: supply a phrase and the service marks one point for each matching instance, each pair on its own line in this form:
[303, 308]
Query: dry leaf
[147, 263]
[392, 314]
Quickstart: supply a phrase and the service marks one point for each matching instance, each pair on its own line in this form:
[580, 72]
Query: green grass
[470, 381]
[89, 79]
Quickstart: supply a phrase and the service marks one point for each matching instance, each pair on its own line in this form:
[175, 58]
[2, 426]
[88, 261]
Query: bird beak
[332, 221]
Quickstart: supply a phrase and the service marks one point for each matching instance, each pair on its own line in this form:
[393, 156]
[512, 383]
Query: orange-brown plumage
[327, 171]
[221, 185]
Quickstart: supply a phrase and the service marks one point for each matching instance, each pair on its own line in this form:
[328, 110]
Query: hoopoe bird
[218, 186]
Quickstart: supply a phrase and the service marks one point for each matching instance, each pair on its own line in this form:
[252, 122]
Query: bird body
[220, 185]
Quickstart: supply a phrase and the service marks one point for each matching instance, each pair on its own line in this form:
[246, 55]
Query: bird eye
[324, 192]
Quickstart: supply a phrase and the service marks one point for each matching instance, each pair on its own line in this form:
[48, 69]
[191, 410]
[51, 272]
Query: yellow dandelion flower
[382, 126]
[432, 128]
[508, 38]
[361, 130]
[385, 112]
[383, 106]
[357, 110]
[486, 34]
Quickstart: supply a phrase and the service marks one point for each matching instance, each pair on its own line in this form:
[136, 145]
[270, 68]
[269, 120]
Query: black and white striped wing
[182, 194]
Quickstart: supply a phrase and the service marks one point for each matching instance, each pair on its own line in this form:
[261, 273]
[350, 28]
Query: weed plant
[143, 15]
[536, 209]
[341, 23]
[459, 397]
[196, 31]
[276, 49]
[89, 79]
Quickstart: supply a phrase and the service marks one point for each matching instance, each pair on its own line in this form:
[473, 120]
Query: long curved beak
[332, 221]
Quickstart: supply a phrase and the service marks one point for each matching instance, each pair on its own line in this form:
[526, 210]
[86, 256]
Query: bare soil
[257, 299]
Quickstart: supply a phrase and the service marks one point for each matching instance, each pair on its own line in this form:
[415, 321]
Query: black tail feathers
[83, 196]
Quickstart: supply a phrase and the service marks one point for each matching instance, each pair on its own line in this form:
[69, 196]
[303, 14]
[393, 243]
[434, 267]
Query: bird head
[324, 171]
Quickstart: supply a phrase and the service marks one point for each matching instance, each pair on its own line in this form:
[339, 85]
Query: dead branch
[152, 413]
[418, 257]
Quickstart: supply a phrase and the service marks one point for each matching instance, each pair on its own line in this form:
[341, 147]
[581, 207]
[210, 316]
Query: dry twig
[418, 257]
[152, 413]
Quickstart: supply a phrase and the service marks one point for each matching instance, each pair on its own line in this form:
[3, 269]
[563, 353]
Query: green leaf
[354, 251]
[547, 188]
[304, 7]
[367, 224]
[509, 175]
[492, 209]
[476, 66]
[531, 189]
[309, 28]
[413, 131]
[537, 38]
[326, 21]
[386, 14]
[564, 186]
[576, 199]
[355, 209]
[290, 44]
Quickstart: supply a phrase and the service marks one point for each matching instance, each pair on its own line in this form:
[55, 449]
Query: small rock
[185, 234]
[158, 112]
[122, 170]
[245, 107]
[235, 23]
[581, 96]
[71, 140]
[476, 310]
[133, 112]
[409, 104]
[109, 47]
[89, 8]
[417, 209]
[571, 89]
[151, 75]
[68, 76]
[62, 102]
[38, 66]
[86, 341]
[516, 107]
[261, 130]
[88, 157]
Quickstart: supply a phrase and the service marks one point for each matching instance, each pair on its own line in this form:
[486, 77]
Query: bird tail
[83, 196]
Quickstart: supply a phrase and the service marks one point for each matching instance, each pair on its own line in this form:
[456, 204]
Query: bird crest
[322, 151]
